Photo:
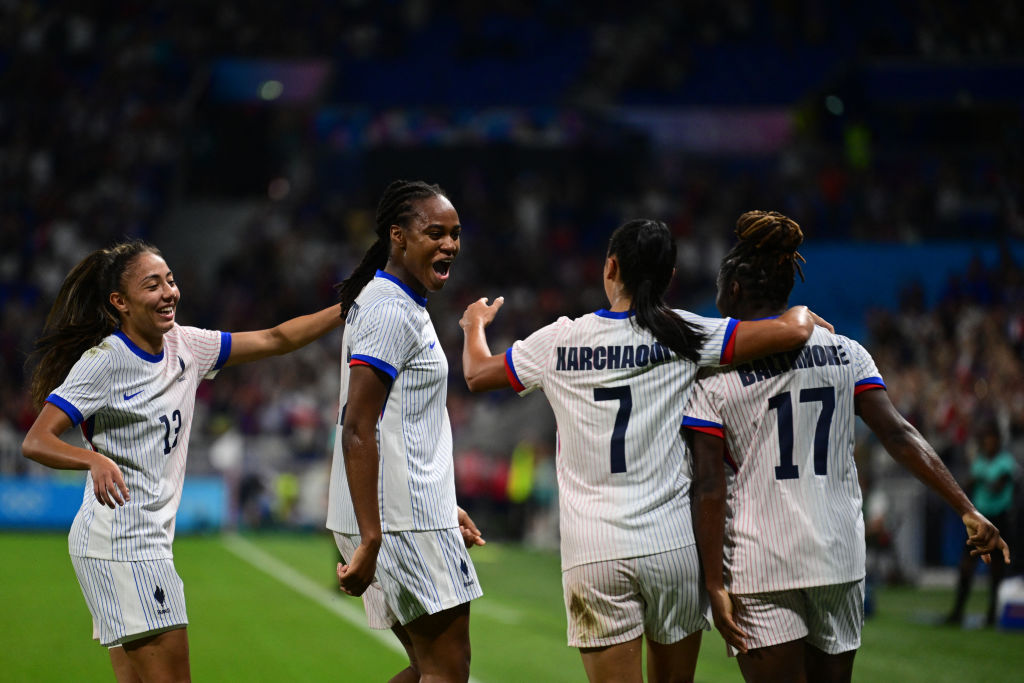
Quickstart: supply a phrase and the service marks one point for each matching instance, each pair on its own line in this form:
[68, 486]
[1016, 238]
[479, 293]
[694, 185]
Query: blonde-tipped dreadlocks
[765, 261]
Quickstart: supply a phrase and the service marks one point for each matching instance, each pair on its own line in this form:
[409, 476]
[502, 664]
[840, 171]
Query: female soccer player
[788, 595]
[114, 360]
[392, 493]
[617, 380]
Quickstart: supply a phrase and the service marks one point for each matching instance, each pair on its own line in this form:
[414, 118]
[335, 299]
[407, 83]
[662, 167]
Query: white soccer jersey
[618, 398]
[136, 408]
[388, 328]
[793, 516]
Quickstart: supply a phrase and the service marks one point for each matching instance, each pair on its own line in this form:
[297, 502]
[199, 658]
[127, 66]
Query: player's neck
[147, 342]
[757, 312]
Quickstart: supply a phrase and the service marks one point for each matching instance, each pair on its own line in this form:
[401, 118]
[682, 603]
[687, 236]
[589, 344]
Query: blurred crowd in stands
[103, 105]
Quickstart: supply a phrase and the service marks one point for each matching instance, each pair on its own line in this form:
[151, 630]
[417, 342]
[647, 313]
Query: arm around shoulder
[791, 330]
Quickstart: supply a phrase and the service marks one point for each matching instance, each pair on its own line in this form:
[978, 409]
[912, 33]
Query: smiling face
[422, 252]
[147, 300]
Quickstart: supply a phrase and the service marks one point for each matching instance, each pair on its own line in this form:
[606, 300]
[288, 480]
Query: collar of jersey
[144, 355]
[421, 300]
[615, 315]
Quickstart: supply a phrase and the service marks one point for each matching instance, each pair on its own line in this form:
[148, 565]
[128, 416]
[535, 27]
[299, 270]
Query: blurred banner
[38, 503]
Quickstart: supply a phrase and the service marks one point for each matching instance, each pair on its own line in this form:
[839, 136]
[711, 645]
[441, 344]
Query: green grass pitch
[264, 608]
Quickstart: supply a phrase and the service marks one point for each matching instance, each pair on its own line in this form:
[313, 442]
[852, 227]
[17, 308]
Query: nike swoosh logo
[131, 396]
[432, 343]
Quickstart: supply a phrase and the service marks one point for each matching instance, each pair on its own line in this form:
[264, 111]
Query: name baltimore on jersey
[610, 357]
[815, 355]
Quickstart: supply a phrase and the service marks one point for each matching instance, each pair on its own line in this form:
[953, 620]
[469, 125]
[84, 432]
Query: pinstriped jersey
[388, 328]
[136, 408]
[618, 398]
[793, 516]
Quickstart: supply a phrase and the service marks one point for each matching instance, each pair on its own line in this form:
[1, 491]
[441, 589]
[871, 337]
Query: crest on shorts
[159, 595]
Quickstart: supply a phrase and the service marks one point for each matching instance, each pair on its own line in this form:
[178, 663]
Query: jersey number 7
[625, 399]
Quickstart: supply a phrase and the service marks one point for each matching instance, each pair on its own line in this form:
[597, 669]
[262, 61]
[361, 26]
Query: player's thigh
[160, 657]
[827, 668]
[782, 663]
[440, 642]
[617, 663]
[675, 603]
[835, 616]
[130, 600]
[669, 663]
[603, 604]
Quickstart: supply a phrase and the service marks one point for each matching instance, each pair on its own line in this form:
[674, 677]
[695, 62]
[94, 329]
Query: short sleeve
[526, 359]
[385, 336]
[720, 338]
[866, 374]
[86, 389]
[702, 413]
[210, 349]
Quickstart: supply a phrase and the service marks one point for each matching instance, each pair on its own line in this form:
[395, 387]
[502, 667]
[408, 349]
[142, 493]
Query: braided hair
[765, 261]
[81, 316]
[395, 208]
[646, 254]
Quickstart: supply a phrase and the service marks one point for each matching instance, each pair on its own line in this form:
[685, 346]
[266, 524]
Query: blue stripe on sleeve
[377, 363]
[696, 422]
[518, 386]
[730, 330]
[72, 412]
[871, 380]
[225, 350]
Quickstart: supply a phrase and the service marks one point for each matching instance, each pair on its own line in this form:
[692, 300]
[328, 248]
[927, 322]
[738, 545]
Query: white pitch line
[343, 606]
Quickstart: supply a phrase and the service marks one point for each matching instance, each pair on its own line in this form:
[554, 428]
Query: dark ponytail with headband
[646, 254]
[394, 208]
[81, 316]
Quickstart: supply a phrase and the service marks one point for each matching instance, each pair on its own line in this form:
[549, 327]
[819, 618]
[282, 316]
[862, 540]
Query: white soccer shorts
[131, 600]
[828, 617]
[615, 601]
[418, 572]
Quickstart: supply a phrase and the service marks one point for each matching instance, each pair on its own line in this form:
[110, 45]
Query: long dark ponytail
[765, 261]
[646, 254]
[81, 316]
[394, 208]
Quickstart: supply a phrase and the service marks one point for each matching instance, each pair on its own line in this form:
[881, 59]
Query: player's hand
[984, 537]
[470, 534]
[479, 312]
[108, 482]
[721, 610]
[356, 576]
[821, 322]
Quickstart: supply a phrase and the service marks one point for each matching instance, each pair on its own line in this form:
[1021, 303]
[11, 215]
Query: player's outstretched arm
[368, 389]
[284, 338]
[44, 445]
[907, 447]
[708, 510]
[791, 330]
[483, 372]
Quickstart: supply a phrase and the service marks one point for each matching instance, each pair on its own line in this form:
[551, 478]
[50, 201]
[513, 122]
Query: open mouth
[442, 268]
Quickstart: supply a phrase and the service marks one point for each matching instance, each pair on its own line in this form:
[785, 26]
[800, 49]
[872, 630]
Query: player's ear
[117, 300]
[397, 234]
[611, 268]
